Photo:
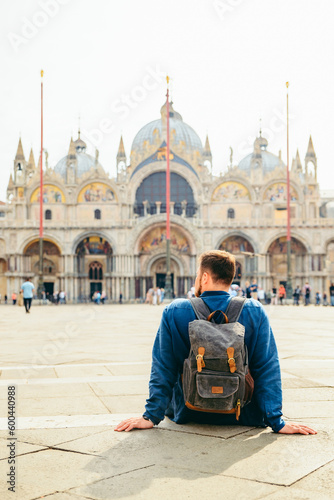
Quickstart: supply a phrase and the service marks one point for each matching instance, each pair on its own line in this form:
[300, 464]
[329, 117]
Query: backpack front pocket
[217, 392]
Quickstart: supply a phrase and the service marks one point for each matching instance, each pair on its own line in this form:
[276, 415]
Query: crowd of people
[155, 296]
[275, 296]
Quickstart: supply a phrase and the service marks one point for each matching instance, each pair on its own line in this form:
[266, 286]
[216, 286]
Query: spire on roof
[121, 149]
[10, 182]
[19, 152]
[310, 149]
[298, 162]
[31, 162]
[72, 150]
[207, 148]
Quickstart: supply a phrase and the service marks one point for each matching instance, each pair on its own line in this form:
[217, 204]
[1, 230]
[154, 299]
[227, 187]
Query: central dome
[181, 134]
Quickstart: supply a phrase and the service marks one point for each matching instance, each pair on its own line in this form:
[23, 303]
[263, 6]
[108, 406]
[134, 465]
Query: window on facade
[153, 189]
[48, 214]
[97, 214]
[2, 214]
[231, 213]
[95, 271]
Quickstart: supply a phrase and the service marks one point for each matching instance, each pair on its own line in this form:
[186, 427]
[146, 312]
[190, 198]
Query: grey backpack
[214, 374]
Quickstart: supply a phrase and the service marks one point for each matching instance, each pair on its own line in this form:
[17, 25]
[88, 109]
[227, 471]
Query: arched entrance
[246, 262]
[152, 261]
[278, 262]
[51, 264]
[94, 267]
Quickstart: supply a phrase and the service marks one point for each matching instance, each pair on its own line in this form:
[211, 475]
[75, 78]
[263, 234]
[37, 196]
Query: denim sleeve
[265, 369]
[164, 373]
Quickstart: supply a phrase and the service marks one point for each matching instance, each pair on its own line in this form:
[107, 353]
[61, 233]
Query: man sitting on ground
[172, 344]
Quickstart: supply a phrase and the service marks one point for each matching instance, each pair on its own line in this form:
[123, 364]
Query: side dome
[77, 154]
[260, 157]
[181, 134]
[84, 163]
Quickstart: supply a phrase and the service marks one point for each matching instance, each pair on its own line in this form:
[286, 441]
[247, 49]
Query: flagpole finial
[167, 79]
[287, 85]
[42, 73]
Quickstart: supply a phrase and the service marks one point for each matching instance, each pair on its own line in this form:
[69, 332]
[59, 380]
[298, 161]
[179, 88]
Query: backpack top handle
[211, 316]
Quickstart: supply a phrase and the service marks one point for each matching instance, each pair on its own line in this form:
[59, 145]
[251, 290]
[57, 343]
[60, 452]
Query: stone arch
[234, 179]
[231, 191]
[278, 189]
[96, 191]
[47, 237]
[280, 234]
[87, 234]
[48, 243]
[181, 170]
[51, 261]
[179, 238]
[237, 234]
[52, 193]
[159, 256]
[278, 261]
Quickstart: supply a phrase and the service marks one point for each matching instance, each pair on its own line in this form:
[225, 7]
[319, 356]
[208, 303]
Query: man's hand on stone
[296, 428]
[134, 423]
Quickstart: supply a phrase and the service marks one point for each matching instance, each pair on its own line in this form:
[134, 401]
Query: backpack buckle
[230, 359]
[199, 359]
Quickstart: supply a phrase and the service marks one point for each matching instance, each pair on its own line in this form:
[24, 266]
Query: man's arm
[266, 371]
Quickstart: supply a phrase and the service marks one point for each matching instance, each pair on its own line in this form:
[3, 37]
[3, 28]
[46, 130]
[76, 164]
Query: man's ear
[205, 278]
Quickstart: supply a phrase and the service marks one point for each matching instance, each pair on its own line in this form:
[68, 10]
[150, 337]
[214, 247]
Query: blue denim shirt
[172, 346]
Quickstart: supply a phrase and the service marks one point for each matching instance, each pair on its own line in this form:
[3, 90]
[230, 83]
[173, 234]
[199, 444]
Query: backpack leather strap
[234, 308]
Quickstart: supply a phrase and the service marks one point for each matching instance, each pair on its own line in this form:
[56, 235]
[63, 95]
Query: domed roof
[84, 163]
[184, 134]
[268, 161]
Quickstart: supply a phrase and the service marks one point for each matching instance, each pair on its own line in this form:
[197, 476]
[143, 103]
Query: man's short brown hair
[219, 264]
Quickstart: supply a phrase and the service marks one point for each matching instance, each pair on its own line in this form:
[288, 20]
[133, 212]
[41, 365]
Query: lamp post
[289, 276]
[168, 282]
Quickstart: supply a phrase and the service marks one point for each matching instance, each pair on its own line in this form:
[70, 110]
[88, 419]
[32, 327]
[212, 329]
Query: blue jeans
[332, 300]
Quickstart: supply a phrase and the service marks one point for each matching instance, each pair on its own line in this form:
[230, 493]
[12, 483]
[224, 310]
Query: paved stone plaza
[79, 370]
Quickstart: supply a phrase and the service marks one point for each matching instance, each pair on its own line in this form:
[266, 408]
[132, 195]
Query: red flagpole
[40, 289]
[168, 171]
[168, 282]
[41, 167]
[288, 232]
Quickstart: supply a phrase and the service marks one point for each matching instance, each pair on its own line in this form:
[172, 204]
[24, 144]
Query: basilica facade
[109, 234]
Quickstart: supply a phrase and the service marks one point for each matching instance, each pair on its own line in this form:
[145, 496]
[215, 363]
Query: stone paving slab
[170, 482]
[20, 448]
[54, 437]
[120, 388]
[256, 455]
[49, 471]
[69, 405]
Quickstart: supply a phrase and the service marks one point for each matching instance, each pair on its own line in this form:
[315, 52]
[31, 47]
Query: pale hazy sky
[228, 60]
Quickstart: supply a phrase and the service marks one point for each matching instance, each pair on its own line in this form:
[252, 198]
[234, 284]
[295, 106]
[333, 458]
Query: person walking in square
[28, 293]
[14, 297]
[307, 293]
[296, 295]
[281, 294]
